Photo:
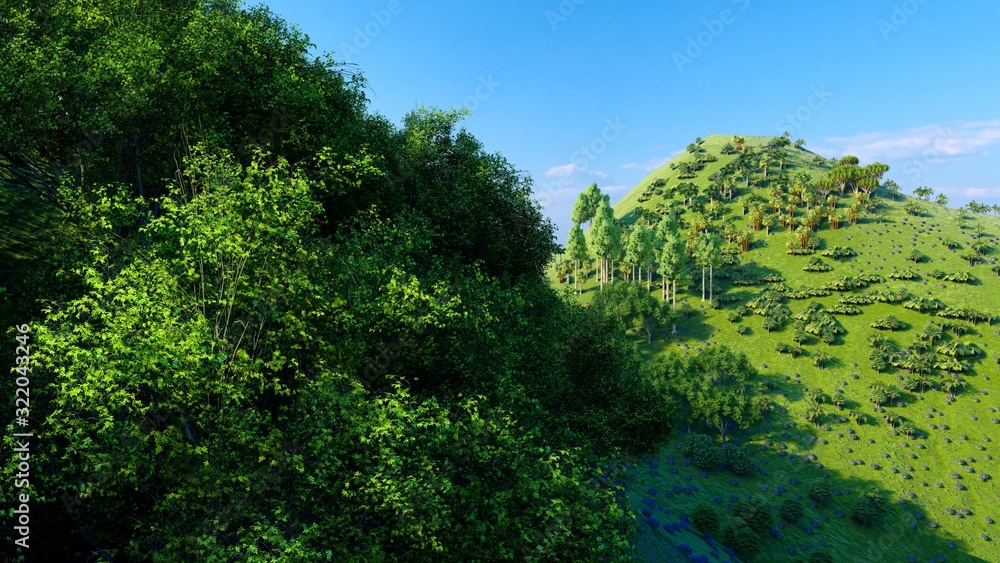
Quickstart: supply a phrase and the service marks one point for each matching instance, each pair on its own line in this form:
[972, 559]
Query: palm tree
[814, 415]
[765, 162]
[857, 417]
[952, 385]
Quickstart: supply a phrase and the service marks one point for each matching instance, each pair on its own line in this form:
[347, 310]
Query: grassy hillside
[799, 160]
[941, 480]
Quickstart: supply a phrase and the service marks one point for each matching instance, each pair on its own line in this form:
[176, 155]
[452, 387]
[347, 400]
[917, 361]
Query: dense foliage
[269, 325]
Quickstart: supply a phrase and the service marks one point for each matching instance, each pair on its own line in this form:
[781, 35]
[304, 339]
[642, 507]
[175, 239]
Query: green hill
[799, 159]
[904, 257]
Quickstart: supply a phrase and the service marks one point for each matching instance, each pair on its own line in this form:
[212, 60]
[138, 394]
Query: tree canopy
[268, 324]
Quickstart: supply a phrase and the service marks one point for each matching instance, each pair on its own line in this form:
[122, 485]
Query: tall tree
[586, 204]
[707, 254]
[670, 257]
[576, 249]
[605, 241]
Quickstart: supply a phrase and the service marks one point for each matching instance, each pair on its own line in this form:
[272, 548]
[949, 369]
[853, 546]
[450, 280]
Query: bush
[869, 508]
[741, 537]
[820, 557]
[704, 519]
[791, 511]
[737, 458]
[819, 491]
[755, 513]
[702, 450]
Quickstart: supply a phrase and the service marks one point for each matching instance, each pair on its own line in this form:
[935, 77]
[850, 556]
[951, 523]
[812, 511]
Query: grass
[882, 248]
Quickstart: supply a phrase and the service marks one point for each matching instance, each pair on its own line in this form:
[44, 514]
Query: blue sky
[580, 91]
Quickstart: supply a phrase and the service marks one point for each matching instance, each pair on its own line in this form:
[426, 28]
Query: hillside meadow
[938, 472]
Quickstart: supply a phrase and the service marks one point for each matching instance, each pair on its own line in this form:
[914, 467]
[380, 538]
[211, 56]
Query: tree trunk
[711, 270]
[675, 295]
[702, 283]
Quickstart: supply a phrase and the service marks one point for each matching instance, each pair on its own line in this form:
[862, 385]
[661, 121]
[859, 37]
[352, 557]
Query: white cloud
[982, 192]
[564, 170]
[931, 143]
[567, 170]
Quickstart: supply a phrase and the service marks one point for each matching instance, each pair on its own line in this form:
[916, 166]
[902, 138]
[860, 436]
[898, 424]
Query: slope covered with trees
[266, 324]
[868, 318]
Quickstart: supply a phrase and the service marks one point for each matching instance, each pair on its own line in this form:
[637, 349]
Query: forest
[249, 318]
[262, 323]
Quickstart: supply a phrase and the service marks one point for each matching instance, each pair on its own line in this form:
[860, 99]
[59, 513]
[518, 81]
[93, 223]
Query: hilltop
[877, 340]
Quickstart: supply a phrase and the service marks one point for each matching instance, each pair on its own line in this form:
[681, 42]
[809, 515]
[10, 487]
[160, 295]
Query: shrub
[701, 449]
[741, 537]
[819, 491]
[755, 513]
[791, 511]
[869, 508]
[820, 557]
[737, 458]
[704, 519]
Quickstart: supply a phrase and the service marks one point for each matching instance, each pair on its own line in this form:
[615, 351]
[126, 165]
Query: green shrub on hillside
[869, 508]
[820, 492]
[705, 519]
[791, 511]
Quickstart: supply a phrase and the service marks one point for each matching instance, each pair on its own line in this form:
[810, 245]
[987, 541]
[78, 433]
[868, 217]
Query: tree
[819, 491]
[765, 163]
[576, 248]
[737, 458]
[640, 251]
[742, 538]
[952, 385]
[705, 519]
[844, 175]
[755, 513]
[791, 511]
[913, 208]
[605, 238]
[342, 281]
[586, 204]
[633, 306]
[893, 188]
[869, 508]
[670, 257]
[714, 390]
[941, 200]
[924, 193]
[708, 254]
